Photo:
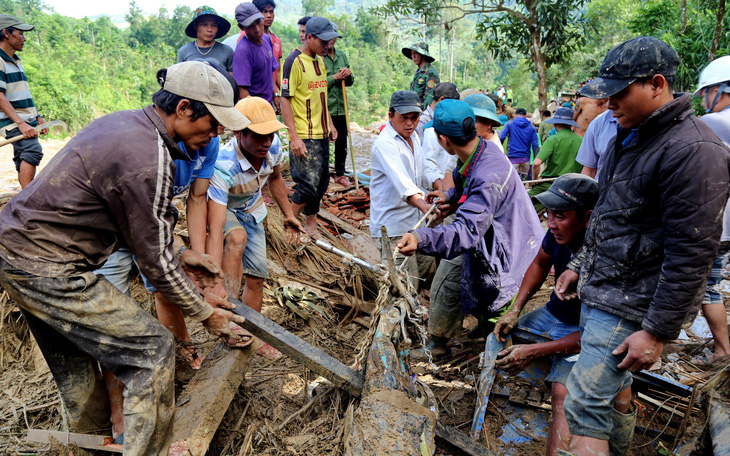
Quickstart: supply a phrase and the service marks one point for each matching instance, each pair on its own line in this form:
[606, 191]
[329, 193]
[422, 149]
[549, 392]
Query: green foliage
[317, 7]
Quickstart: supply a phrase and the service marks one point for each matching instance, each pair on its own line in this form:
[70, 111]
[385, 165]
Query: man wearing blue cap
[558, 153]
[652, 238]
[496, 228]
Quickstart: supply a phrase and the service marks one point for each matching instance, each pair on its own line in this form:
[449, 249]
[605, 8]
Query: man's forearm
[278, 192]
[196, 212]
[534, 278]
[8, 109]
[564, 346]
[418, 201]
[287, 114]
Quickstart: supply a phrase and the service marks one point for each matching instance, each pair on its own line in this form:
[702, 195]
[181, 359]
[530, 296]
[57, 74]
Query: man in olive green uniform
[426, 77]
[338, 70]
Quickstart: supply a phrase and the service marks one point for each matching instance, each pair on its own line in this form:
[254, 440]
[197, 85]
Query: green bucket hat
[421, 48]
[223, 25]
[483, 106]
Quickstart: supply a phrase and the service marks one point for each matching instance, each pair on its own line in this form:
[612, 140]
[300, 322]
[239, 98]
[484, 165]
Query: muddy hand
[293, 228]
[566, 287]
[514, 359]
[408, 244]
[218, 324]
[207, 273]
[298, 148]
[643, 351]
[218, 297]
[506, 324]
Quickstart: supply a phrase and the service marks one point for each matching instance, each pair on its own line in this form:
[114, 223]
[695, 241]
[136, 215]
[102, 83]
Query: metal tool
[350, 257]
[53, 123]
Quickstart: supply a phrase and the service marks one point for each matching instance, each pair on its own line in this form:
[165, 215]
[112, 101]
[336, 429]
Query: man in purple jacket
[496, 228]
[523, 143]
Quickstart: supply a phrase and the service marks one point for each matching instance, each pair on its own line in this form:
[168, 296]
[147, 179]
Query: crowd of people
[637, 241]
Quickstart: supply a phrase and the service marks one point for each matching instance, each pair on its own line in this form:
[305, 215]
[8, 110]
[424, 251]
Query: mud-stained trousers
[80, 320]
[444, 315]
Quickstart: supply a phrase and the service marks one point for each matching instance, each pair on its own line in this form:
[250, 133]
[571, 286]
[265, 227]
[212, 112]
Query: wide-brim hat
[261, 114]
[223, 25]
[562, 116]
[483, 106]
[421, 48]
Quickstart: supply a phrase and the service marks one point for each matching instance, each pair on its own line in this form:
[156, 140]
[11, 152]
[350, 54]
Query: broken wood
[328, 367]
[86, 441]
[340, 224]
[204, 401]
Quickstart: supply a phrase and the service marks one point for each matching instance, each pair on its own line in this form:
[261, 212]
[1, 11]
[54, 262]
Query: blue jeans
[712, 293]
[544, 322]
[254, 259]
[118, 268]
[595, 379]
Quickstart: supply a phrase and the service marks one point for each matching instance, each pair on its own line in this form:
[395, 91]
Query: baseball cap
[223, 25]
[448, 117]
[321, 28]
[570, 191]
[200, 81]
[446, 90]
[640, 57]
[7, 20]
[261, 114]
[483, 106]
[246, 14]
[405, 102]
[562, 116]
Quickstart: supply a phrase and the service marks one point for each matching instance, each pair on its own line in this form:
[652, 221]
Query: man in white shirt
[396, 183]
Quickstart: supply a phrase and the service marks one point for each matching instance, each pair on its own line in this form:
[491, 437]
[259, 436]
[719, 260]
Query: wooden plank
[459, 442]
[486, 379]
[341, 224]
[294, 347]
[86, 441]
[205, 399]
[323, 364]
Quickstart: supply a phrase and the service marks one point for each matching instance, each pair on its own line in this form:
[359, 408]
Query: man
[254, 63]
[714, 91]
[236, 208]
[523, 144]
[587, 109]
[508, 94]
[599, 136]
[206, 27]
[544, 129]
[396, 193]
[557, 153]
[267, 7]
[19, 115]
[438, 163]
[426, 77]
[569, 203]
[338, 70]
[487, 120]
[305, 113]
[493, 216]
[652, 236]
[302, 24]
[95, 196]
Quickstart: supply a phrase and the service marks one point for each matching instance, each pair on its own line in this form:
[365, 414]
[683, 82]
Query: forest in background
[80, 69]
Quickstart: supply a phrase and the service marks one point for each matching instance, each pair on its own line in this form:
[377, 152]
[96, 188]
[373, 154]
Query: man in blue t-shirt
[569, 203]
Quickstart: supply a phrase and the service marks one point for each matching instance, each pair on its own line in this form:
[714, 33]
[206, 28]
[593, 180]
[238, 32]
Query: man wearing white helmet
[714, 89]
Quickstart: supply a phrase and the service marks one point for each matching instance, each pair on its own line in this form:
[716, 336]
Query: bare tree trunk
[451, 58]
[720, 18]
[539, 60]
[684, 15]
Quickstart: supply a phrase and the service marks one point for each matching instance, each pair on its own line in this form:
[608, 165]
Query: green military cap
[421, 48]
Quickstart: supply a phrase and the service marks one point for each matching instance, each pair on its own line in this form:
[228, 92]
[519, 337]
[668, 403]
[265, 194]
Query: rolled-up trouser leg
[91, 319]
[444, 316]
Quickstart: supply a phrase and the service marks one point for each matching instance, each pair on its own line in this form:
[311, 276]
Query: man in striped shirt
[18, 114]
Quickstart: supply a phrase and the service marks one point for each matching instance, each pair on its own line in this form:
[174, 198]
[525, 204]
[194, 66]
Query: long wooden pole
[349, 136]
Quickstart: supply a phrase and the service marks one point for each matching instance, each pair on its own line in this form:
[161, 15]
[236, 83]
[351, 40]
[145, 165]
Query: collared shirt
[559, 152]
[599, 134]
[397, 174]
[236, 184]
[14, 85]
[424, 81]
[425, 118]
[438, 162]
[335, 100]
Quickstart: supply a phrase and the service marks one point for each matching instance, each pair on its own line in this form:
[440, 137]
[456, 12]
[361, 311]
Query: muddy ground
[261, 419]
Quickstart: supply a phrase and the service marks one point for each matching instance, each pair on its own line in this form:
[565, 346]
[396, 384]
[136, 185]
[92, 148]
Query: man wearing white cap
[112, 186]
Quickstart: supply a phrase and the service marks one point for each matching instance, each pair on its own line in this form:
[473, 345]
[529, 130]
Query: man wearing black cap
[305, 113]
[652, 237]
[569, 203]
[18, 115]
[558, 153]
[206, 27]
[396, 183]
[427, 77]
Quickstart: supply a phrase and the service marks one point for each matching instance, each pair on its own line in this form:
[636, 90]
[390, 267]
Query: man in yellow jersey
[304, 109]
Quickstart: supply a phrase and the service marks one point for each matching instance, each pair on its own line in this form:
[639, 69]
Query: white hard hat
[717, 72]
